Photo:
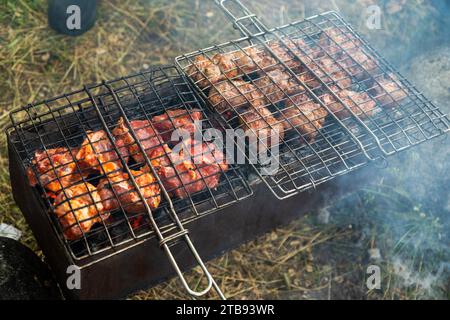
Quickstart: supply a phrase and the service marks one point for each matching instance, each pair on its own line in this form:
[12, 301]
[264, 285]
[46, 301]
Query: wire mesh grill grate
[85, 137]
[334, 101]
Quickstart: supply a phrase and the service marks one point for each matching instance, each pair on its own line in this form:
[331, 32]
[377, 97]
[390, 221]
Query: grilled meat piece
[359, 102]
[56, 169]
[143, 129]
[388, 91]
[78, 208]
[161, 156]
[336, 41]
[293, 52]
[277, 85]
[204, 71]
[238, 63]
[193, 171]
[261, 123]
[97, 153]
[171, 120]
[117, 190]
[347, 49]
[304, 115]
[358, 63]
[229, 97]
[331, 73]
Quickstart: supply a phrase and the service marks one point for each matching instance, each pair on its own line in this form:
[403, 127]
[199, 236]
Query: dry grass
[306, 260]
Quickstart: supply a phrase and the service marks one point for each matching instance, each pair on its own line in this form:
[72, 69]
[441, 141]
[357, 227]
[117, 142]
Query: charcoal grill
[116, 257]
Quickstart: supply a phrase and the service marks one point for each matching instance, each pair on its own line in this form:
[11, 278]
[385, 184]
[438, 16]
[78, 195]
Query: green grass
[305, 260]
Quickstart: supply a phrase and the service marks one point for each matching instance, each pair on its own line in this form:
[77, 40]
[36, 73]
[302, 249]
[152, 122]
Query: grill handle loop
[243, 19]
[164, 241]
[211, 282]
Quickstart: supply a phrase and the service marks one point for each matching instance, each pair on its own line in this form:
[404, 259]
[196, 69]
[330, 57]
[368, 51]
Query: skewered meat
[304, 115]
[144, 131]
[97, 153]
[261, 123]
[56, 169]
[277, 85]
[204, 72]
[195, 171]
[359, 102]
[171, 120]
[117, 190]
[388, 92]
[78, 208]
[229, 97]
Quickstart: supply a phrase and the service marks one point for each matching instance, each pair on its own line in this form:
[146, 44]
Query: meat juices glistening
[117, 190]
[78, 208]
[97, 153]
[56, 169]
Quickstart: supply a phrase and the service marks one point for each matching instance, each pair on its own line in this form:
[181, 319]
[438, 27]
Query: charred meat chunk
[117, 190]
[78, 208]
[293, 52]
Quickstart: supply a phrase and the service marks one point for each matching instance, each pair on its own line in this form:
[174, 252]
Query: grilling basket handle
[242, 18]
[182, 234]
[211, 282]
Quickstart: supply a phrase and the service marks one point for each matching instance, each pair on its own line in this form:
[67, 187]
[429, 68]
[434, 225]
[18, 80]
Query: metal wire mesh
[93, 154]
[332, 100]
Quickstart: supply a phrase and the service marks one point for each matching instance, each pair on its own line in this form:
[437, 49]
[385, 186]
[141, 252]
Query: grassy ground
[317, 257]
